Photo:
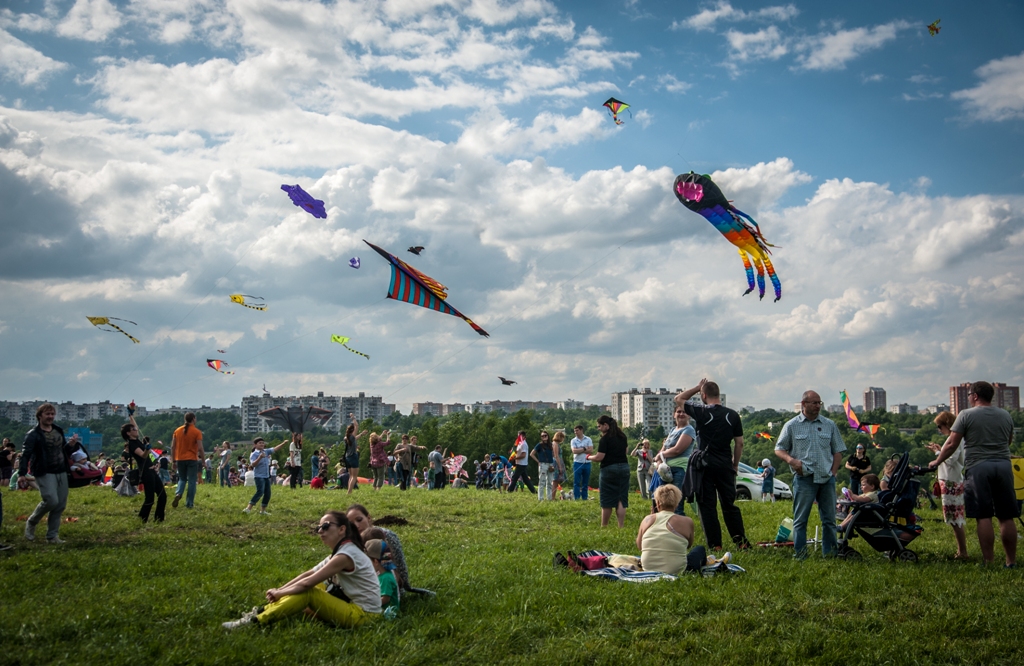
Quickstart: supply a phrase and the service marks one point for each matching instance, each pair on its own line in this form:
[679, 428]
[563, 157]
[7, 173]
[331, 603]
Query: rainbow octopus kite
[868, 428]
[217, 364]
[616, 107]
[933, 28]
[240, 299]
[342, 340]
[302, 199]
[106, 321]
[701, 195]
[410, 286]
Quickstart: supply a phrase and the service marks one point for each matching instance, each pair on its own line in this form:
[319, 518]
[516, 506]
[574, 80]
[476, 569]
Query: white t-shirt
[225, 458]
[361, 584]
[578, 443]
[522, 449]
[294, 455]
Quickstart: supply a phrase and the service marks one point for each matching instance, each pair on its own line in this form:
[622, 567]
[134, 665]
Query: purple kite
[302, 199]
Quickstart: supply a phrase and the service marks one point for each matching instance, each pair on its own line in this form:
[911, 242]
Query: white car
[748, 485]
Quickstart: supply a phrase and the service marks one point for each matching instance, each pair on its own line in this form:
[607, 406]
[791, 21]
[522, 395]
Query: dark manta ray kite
[701, 195]
[295, 418]
[410, 286]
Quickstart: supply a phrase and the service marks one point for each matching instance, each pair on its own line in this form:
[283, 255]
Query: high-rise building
[903, 408]
[67, 412]
[361, 406]
[874, 398]
[433, 408]
[1007, 397]
[646, 406]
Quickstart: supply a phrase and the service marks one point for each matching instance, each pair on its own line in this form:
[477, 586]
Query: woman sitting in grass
[664, 538]
[360, 518]
[352, 593]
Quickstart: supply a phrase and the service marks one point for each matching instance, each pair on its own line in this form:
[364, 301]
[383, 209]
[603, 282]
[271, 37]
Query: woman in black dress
[611, 453]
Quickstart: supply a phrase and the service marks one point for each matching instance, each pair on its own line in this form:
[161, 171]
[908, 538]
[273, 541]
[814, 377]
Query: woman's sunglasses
[323, 527]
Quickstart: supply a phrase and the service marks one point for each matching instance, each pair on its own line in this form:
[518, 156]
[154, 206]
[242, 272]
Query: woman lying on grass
[352, 594]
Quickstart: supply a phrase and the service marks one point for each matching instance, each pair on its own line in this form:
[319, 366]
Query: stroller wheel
[907, 556]
[850, 555]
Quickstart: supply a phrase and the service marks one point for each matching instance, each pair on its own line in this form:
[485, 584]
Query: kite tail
[135, 340]
[774, 278]
[262, 308]
[750, 272]
[757, 227]
[475, 327]
[366, 356]
[760, 277]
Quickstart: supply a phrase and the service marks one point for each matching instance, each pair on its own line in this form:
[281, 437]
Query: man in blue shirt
[581, 446]
[811, 444]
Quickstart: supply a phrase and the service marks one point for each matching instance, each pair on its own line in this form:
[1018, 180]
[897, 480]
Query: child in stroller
[889, 524]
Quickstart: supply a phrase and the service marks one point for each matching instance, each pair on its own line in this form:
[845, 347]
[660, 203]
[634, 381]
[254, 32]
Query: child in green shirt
[390, 597]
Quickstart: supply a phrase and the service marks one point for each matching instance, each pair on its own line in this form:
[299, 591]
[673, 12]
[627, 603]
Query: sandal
[573, 561]
[560, 561]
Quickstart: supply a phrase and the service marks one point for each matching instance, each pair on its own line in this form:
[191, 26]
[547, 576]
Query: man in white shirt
[581, 446]
[521, 465]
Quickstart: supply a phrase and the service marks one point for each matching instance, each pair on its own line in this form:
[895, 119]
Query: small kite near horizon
[617, 107]
[701, 195]
[222, 351]
[933, 28]
[342, 340]
[416, 249]
[240, 299]
[217, 364]
[106, 321]
[507, 382]
[410, 286]
[354, 262]
[304, 200]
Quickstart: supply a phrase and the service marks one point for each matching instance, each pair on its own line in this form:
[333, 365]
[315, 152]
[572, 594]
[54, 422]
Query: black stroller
[889, 524]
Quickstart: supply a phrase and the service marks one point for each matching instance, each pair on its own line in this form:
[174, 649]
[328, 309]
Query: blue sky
[142, 146]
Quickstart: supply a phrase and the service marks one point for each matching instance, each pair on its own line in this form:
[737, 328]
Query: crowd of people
[699, 458]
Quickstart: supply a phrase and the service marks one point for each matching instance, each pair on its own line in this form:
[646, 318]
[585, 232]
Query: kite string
[517, 313]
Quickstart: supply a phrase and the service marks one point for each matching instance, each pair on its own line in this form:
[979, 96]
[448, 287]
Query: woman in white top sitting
[352, 592]
[664, 538]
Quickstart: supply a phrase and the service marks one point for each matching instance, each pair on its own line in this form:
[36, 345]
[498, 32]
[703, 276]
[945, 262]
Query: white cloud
[706, 18]
[1000, 95]
[834, 50]
[24, 64]
[765, 44]
[672, 84]
[90, 20]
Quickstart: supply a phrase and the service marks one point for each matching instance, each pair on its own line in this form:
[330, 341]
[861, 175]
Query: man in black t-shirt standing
[720, 438]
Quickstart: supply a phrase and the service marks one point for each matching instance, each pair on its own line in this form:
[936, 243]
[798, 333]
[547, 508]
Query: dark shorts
[614, 488]
[352, 461]
[988, 490]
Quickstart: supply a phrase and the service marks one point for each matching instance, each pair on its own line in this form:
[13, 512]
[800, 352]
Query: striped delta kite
[701, 195]
[410, 286]
[217, 364]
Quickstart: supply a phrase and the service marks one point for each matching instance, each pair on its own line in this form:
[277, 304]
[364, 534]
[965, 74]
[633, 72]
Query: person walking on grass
[986, 432]
[582, 446]
[521, 471]
[813, 448]
[260, 461]
[44, 461]
[614, 484]
[720, 433]
[150, 479]
[224, 466]
[352, 593]
[187, 452]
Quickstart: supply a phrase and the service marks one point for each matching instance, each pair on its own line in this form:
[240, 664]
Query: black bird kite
[416, 249]
[507, 382]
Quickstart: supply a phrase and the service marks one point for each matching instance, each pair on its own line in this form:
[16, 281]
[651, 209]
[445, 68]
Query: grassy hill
[122, 593]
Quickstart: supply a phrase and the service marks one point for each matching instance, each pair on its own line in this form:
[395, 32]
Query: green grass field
[120, 592]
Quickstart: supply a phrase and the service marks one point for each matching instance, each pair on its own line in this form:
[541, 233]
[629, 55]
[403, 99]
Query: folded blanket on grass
[630, 576]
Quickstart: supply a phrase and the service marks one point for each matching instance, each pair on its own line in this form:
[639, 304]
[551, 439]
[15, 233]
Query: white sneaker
[244, 621]
[56, 541]
[264, 512]
[247, 510]
[29, 534]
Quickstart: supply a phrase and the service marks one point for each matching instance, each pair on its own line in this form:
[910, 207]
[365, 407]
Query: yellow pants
[326, 607]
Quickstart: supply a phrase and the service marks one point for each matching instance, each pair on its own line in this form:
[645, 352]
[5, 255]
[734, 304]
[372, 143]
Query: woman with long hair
[352, 592]
[352, 453]
[951, 485]
[150, 479]
[611, 453]
[379, 457]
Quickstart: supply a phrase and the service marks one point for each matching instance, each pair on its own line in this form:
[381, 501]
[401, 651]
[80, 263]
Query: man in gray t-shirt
[437, 473]
[986, 433]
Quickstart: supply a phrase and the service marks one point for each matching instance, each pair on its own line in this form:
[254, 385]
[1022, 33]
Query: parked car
[748, 485]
